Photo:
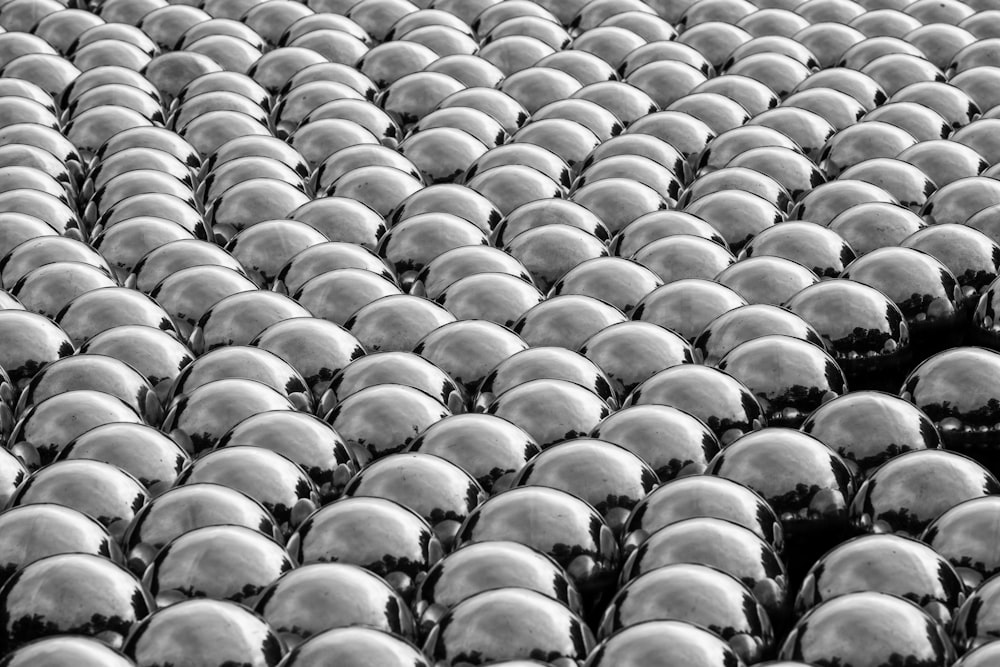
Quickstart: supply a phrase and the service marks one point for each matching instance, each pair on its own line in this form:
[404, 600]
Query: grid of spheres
[440, 333]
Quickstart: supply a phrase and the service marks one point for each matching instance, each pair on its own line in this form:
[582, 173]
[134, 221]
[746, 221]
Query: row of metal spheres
[499, 332]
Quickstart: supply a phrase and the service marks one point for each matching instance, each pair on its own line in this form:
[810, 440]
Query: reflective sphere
[883, 629]
[239, 318]
[308, 441]
[609, 477]
[955, 389]
[970, 255]
[384, 419]
[924, 289]
[748, 323]
[530, 624]
[80, 594]
[645, 643]
[439, 491]
[549, 251]
[355, 646]
[33, 532]
[142, 451]
[864, 331]
[868, 227]
[980, 657]
[696, 594]
[60, 651]
[764, 461]
[492, 450]
[248, 363]
[374, 533]
[910, 491]
[885, 564]
[962, 535]
[468, 350]
[189, 633]
[867, 428]
[484, 566]
[273, 480]
[314, 598]
[687, 306]
[55, 422]
[703, 496]
[199, 419]
[721, 401]
[216, 562]
[97, 373]
[550, 410]
[186, 508]
[684, 257]
[630, 352]
[726, 546]
[554, 522]
[790, 377]
[404, 368]
[31, 342]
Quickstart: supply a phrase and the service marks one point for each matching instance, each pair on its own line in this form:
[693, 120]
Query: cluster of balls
[499, 332]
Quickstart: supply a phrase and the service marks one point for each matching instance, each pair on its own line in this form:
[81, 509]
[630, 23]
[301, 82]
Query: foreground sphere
[374, 533]
[687, 306]
[963, 535]
[204, 633]
[790, 377]
[543, 363]
[33, 532]
[883, 630]
[355, 646]
[484, 566]
[403, 368]
[696, 594]
[150, 456]
[867, 428]
[217, 562]
[720, 544]
[551, 411]
[56, 421]
[439, 491]
[554, 522]
[864, 331]
[314, 598]
[703, 496]
[718, 399]
[79, 594]
[664, 643]
[273, 480]
[492, 450]
[910, 491]
[187, 508]
[985, 655]
[199, 419]
[885, 564]
[304, 439]
[63, 651]
[383, 419]
[609, 477]
[508, 623]
[977, 622]
[808, 484]
[957, 390]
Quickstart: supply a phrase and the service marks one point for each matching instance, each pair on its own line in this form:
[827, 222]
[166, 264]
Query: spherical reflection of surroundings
[528, 333]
